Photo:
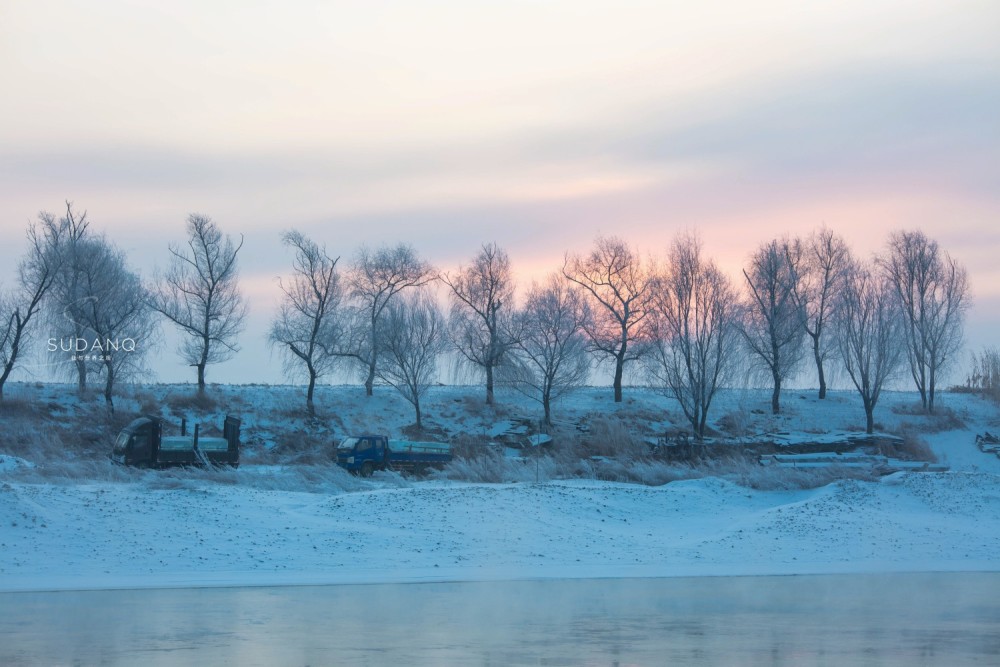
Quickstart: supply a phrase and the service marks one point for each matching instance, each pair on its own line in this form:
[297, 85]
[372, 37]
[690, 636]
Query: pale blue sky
[535, 124]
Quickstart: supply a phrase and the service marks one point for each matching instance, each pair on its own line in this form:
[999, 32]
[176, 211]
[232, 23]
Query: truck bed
[406, 446]
[181, 442]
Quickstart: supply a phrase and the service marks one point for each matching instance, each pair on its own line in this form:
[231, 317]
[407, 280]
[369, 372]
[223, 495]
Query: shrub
[469, 446]
[772, 478]
[612, 437]
[914, 448]
[984, 377]
[196, 402]
[493, 467]
[17, 407]
[302, 447]
[735, 423]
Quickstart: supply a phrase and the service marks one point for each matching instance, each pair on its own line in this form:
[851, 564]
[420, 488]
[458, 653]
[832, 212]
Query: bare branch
[695, 314]
[772, 323]
[375, 278]
[308, 326]
[482, 323]
[200, 295]
[413, 333]
[618, 286]
[551, 353]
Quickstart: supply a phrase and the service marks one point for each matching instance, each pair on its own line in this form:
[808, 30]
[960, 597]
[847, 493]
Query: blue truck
[364, 454]
[143, 444]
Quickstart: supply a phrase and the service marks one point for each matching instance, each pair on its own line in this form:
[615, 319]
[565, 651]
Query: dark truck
[364, 454]
[143, 444]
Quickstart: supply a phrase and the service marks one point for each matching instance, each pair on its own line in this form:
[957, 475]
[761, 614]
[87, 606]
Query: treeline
[677, 319]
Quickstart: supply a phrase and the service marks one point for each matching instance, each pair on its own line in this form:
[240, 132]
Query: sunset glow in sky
[538, 125]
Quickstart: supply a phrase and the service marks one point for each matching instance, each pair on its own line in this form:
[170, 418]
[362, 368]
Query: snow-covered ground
[268, 524]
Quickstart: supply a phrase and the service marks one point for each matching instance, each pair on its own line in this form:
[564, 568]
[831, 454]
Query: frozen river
[904, 619]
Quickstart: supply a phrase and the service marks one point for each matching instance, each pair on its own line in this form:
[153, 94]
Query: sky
[537, 125]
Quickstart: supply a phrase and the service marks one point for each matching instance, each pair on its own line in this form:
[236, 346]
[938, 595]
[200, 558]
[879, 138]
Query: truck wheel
[366, 469]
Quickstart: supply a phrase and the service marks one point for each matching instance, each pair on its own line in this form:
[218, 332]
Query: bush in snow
[180, 404]
[612, 437]
[914, 448]
[984, 378]
[492, 467]
[772, 478]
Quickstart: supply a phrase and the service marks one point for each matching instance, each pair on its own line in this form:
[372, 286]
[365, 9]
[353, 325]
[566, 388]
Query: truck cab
[363, 454]
[137, 444]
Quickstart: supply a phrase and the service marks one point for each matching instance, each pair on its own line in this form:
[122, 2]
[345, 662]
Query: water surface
[901, 619]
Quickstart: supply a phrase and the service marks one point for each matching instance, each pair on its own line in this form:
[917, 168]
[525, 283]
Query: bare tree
[551, 354]
[695, 317]
[868, 334]
[200, 295]
[115, 309]
[825, 262]
[481, 322]
[36, 275]
[375, 278]
[618, 286]
[67, 297]
[413, 333]
[772, 323]
[933, 289]
[307, 326]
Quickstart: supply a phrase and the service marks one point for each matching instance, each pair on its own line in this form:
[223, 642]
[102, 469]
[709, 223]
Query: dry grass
[914, 448]
[495, 469]
[180, 404]
[18, 407]
[301, 447]
[613, 437]
[735, 423]
[771, 478]
[942, 419]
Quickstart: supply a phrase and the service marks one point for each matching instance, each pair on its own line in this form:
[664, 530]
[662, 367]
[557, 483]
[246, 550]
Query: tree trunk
[372, 357]
[6, 373]
[869, 418]
[489, 385]
[109, 385]
[370, 380]
[619, 371]
[547, 407]
[776, 395]
[15, 347]
[930, 393]
[81, 376]
[3, 378]
[819, 368]
[206, 343]
[416, 406]
[922, 387]
[310, 390]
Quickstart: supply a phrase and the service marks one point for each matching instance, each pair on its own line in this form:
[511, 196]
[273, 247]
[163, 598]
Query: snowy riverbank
[105, 527]
[126, 535]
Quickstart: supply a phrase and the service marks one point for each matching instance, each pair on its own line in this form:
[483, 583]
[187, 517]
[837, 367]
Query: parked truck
[364, 454]
[143, 444]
